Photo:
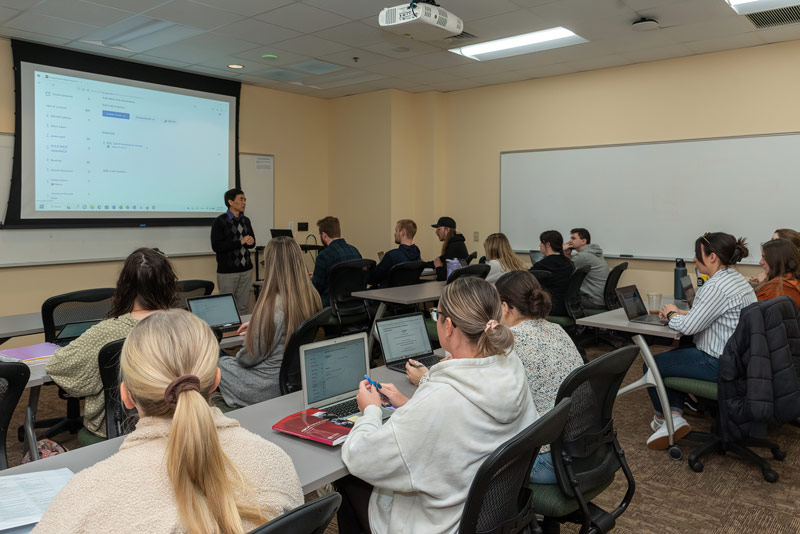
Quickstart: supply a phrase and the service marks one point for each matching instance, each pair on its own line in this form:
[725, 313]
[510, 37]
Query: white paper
[24, 498]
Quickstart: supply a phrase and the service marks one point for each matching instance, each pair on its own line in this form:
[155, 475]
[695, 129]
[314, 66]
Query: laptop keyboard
[343, 409]
[428, 361]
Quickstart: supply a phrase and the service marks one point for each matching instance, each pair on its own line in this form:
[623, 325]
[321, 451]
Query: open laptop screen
[632, 302]
[279, 232]
[403, 337]
[688, 289]
[333, 369]
[74, 330]
[216, 310]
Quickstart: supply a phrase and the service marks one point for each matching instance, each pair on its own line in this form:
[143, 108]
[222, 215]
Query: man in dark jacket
[232, 237]
[453, 246]
[404, 232]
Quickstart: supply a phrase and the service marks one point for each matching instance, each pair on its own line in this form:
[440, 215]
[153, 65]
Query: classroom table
[617, 320]
[24, 324]
[316, 464]
[405, 295]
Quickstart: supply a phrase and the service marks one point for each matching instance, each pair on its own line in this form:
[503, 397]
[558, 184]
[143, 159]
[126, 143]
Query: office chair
[499, 500]
[119, 420]
[13, 378]
[587, 455]
[311, 518]
[612, 303]
[541, 275]
[404, 274]
[572, 300]
[479, 270]
[193, 288]
[289, 375]
[352, 313]
[471, 257]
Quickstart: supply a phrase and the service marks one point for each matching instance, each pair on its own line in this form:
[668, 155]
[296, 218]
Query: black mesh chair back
[74, 307]
[471, 257]
[405, 274]
[13, 377]
[587, 455]
[572, 298]
[119, 420]
[610, 290]
[289, 375]
[311, 518]
[541, 275]
[343, 279]
[499, 500]
[193, 288]
[480, 270]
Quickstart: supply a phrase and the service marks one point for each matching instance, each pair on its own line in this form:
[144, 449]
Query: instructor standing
[232, 238]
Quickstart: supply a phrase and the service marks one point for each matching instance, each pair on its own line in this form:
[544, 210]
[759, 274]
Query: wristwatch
[670, 314]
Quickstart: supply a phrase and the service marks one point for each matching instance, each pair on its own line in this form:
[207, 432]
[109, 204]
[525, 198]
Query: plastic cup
[654, 303]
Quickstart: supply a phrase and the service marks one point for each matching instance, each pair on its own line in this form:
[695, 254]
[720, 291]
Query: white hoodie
[423, 460]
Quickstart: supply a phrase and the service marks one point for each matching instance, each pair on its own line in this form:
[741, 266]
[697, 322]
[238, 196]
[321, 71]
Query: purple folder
[31, 351]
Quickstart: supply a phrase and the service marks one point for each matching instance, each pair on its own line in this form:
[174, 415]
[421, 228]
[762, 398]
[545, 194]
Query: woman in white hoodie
[422, 461]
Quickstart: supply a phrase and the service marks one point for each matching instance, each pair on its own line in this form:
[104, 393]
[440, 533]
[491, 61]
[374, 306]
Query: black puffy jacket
[759, 369]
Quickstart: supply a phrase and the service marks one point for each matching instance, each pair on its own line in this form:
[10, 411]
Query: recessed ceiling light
[235, 66]
[520, 44]
[744, 7]
[269, 56]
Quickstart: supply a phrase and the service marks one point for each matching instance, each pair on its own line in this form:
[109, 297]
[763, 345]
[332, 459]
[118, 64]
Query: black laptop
[71, 331]
[219, 311]
[405, 337]
[635, 309]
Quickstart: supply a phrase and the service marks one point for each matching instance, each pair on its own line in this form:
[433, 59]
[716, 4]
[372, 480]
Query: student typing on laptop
[711, 320]
[470, 404]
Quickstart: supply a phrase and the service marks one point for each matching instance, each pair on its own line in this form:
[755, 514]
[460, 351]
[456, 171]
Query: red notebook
[316, 425]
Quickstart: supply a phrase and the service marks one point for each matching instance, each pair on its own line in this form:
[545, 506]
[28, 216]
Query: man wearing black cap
[453, 246]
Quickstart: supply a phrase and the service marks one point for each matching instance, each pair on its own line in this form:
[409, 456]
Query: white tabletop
[24, 324]
[412, 294]
[617, 320]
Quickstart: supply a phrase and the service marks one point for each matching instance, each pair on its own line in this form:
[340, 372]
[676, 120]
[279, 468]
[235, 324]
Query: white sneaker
[659, 440]
[656, 423]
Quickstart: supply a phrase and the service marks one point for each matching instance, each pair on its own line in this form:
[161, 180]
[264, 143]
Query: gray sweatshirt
[595, 281]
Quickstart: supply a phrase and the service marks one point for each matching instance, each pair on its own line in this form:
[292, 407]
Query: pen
[385, 403]
[373, 382]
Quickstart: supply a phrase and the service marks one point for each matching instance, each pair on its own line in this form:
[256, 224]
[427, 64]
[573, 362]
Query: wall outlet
[475, 237]
[302, 227]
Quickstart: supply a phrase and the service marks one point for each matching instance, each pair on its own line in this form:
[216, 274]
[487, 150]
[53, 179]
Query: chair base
[600, 520]
[713, 443]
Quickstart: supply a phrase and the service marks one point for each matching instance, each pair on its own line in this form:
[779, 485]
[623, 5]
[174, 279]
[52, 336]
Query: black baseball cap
[447, 222]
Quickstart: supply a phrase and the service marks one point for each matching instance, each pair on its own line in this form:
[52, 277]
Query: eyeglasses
[436, 313]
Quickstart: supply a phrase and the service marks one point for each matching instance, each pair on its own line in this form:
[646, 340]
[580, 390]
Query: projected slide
[118, 148]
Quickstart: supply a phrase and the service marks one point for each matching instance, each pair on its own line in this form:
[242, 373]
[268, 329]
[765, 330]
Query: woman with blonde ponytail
[412, 473]
[186, 467]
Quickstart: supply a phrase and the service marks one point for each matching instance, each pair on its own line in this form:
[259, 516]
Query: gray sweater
[595, 281]
[252, 378]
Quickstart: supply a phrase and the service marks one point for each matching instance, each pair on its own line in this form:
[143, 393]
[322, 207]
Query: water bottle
[680, 272]
[700, 279]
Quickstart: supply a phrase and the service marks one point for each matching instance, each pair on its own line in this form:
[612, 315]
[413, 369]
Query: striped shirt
[715, 311]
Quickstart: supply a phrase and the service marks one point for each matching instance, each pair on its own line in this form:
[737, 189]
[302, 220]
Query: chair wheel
[697, 466]
[779, 454]
[770, 476]
[675, 452]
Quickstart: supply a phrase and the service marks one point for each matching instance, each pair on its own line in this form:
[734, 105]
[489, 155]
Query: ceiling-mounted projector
[420, 20]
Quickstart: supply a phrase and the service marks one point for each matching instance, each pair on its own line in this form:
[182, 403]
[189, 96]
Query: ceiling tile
[434, 76]
[53, 27]
[456, 85]
[438, 60]
[708, 30]
[400, 47]
[505, 24]
[681, 12]
[282, 75]
[727, 43]
[248, 8]
[354, 9]
[468, 10]
[556, 69]
[194, 14]
[257, 31]
[133, 6]
[30, 36]
[365, 59]
[390, 83]
[314, 66]
[603, 62]
[284, 58]
[310, 46]
[98, 49]
[158, 61]
[353, 33]
[354, 77]
[197, 49]
[222, 62]
[80, 11]
[211, 71]
[395, 68]
[19, 4]
[7, 13]
[302, 18]
[779, 34]
[421, 88]
[476, 68]
[657, 54]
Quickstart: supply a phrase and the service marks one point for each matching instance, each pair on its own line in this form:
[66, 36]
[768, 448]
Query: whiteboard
[75, 245]
[653, 200]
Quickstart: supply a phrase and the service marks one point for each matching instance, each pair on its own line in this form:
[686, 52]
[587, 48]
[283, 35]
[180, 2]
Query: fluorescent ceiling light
[520, 44]
[745, 7]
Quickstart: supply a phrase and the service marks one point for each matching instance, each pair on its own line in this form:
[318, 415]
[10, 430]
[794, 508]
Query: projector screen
[102, 142]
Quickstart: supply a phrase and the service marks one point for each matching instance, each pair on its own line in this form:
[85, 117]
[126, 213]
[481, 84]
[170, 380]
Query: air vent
[775, 17]
[463, 36]
[391, 16]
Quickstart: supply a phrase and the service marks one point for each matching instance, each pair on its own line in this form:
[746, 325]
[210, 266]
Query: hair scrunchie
[178, 386]
[491, 325]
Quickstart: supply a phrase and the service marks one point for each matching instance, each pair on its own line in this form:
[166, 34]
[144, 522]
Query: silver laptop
[331, 371]
[688, 290]
[405, 337]
[219, 311]
[634, 307]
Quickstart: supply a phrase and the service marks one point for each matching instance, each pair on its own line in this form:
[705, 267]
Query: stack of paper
[25, 497]
[32, 354]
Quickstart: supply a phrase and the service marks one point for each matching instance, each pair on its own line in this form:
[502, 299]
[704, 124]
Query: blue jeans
[688, 362]
[543, 471]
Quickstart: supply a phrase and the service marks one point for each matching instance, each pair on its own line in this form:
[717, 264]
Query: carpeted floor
[730, 496]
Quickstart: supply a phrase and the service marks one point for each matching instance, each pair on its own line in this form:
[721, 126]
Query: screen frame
[68, 59]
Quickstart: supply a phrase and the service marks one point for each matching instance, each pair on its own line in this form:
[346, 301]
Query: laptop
[219, 311]
[634, 307]
[281, 233]
[688, 290]
[452, 266]
[404, 337]
[72, 331]
[536, 256]
[331, 372]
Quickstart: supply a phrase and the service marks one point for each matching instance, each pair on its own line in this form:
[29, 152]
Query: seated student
[711, 320]
[336, 251]
[781, 262]
[583, 252]
[286, 300]
[780, 233]
[551, 244]
[419, 464]
[145, 285]
[547, 352]
[404, 232]
[186, 467]
[453, 246]
[500, 257]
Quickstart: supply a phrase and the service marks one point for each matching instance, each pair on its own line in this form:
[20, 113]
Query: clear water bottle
[680, 272]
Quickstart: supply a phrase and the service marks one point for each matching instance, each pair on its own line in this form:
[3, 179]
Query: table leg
[373, 333]
[652, 379]
[30, 419]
